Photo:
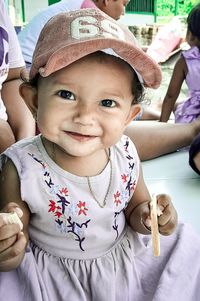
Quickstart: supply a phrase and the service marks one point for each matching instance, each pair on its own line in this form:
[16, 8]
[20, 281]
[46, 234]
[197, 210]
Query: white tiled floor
[172, 174]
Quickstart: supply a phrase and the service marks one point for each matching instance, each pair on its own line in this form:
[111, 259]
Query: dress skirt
[127, 272]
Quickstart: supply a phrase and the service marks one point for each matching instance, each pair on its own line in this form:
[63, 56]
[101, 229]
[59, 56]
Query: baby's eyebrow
[65, 82]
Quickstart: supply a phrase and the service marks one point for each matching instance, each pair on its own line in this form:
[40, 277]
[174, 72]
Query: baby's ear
[29, 95]
[134, 112]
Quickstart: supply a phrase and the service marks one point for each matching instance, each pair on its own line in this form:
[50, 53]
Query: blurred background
[137, 12]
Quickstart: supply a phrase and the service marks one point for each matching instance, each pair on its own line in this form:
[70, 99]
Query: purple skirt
[189, 110]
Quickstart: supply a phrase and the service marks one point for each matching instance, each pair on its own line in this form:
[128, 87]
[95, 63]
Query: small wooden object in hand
[154, 226]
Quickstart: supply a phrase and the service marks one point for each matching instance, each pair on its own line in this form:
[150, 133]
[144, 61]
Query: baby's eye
[108, 103]
[66, 94]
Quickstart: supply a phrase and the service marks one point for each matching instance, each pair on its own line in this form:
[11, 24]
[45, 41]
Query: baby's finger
[165, 217]
[163, 200]
[14, 250]
[170, 226]
[7, 231]
[6, 243]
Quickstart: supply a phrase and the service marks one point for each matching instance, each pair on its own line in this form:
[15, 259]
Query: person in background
[194, 154]
[186, 68]
[16, 121]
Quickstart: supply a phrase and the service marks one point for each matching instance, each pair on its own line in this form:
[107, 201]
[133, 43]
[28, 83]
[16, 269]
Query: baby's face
[86, 106]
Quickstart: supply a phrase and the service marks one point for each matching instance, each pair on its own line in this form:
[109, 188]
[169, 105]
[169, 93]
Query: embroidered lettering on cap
[89, 27]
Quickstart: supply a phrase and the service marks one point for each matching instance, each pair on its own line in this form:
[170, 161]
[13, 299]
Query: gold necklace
[88, 179]
[108, 189]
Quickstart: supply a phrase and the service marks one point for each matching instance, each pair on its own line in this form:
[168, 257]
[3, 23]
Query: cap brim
[134, 56]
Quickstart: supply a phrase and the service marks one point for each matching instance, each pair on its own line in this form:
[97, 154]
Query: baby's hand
[167, 215]
[12, 240]
[168, 218]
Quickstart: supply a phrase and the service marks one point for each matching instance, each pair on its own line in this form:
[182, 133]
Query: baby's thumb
[12, 207]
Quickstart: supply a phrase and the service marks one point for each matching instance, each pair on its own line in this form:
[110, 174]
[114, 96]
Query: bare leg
[153, 139]
[150, 114]
[6, 135]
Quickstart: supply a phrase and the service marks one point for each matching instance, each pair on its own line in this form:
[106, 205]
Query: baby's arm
[12, 240]
[138, 210]
[178, 76]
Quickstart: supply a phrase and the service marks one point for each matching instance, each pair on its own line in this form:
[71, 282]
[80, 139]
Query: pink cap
[70, 36]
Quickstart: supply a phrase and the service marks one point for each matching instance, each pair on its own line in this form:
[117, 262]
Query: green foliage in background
[167, 7]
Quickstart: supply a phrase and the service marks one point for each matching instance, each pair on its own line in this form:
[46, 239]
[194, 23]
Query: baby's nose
[84, 115]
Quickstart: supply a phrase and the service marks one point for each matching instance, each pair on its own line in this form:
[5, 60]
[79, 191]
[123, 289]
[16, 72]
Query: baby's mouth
[80, 137]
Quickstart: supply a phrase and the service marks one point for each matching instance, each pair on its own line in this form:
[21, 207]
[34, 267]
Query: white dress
[80, 251]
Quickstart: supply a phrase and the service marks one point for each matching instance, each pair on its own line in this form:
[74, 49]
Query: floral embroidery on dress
[66, 224]
[116, 226]
[128, 182]
[117, 200]
[82, 208]
[71, 216]
[63, 210]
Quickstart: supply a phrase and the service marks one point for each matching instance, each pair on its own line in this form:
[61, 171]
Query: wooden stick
[154, 226]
